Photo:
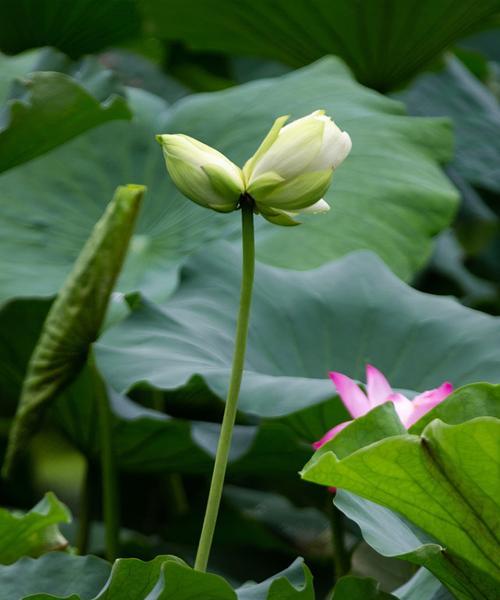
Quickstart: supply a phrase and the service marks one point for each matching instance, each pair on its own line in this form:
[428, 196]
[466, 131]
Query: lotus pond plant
[288, 175]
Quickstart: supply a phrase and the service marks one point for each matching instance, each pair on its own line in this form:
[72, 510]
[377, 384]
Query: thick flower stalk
[378, 391]
[288, 175]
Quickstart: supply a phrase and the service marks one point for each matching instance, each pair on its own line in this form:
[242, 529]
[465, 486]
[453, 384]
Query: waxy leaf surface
[45, 109]
[303, 324]
[384, 44]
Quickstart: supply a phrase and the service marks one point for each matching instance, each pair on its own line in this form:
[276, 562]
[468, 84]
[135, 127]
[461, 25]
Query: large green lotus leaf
[303, 324]
[454, 92]
[76, 316]
[386, 531]
[78, 180]
[55, 573]
[77, 27]
[145, 439]
[434, 481]
[301, 525]
[383, 43]
[389, 196]
[164, 578]
[47, 108]
[32, 533]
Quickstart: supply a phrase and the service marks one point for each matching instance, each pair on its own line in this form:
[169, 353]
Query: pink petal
[403, 407]
[377, 387]
[426, 401]
[330, 435]
[353, 398]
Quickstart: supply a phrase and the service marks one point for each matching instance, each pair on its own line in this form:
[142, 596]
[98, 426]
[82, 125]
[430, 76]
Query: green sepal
[300, 192]
[264, 185]
[278, 217]
[75, 318]
[265, 145]
[224, 186]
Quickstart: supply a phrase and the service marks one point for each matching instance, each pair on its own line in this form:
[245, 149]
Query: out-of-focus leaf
[339, 317]
[55, 573]
[12, 67]
[359, 588]
[381, 180]
[49, 108]
[383, 44]
[164, 578]
[146, 440]
[136, 71]
[486, 42]
[393, 536]
[32, 533]
[422, 586]
[78, 27]
[76, 316]
[294, 583]
[433, 481]
[454, 92]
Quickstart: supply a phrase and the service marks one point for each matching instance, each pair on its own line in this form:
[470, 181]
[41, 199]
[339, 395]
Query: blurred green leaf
[359, 588]
[56, 573]
[136, 71]
[454, 92]
[384, 44]
[51, 108]
[149, 441]
[76, 28]
[393, 536]
[423, 585]
[12, 67]
[164, 578]
[52, 209]
[434, 481]
[75, 317]
[146, 440]
[304, 324]
[32, 533]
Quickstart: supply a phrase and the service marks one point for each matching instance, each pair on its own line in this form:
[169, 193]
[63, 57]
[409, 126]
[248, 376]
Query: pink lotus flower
[379, 391]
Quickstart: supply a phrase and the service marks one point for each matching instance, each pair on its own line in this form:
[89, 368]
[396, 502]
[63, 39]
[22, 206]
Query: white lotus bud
[202, 173]
[293, 167]
[288, 175]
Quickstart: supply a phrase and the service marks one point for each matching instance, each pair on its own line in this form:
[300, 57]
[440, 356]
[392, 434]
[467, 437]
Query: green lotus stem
[340, 554]
[84, 511]
[178, 494]
[229, 418]
[110, 506]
